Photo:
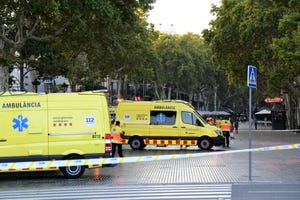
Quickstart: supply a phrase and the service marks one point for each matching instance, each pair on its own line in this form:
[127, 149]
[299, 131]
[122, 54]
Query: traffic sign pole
[251, 83]
[250, 132]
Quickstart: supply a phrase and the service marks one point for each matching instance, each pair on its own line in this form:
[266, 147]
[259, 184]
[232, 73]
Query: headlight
[218, 132]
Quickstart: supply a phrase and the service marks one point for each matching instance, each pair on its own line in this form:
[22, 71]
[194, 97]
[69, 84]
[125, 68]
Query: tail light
[107, 143]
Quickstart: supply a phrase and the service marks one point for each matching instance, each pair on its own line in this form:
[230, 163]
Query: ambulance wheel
[72, 171]
[205, 143]
[137, 143]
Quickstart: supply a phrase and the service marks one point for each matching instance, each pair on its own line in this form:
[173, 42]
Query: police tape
[92, 163]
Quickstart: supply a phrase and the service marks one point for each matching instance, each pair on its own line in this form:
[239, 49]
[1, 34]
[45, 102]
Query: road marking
[134, 192]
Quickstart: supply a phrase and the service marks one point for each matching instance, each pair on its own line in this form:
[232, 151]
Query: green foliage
[263, 33]
[53, 35]
[185, 67]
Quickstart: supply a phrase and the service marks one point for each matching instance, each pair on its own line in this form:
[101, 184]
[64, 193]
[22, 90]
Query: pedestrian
[218, 122]
[117, 139]
[232, 128]
[236, 125]
[226, 128]
[210, 120]
[255, 122]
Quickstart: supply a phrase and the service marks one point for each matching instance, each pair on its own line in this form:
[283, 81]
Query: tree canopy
[59, 34]
[90, 40]
[263, 33]
[185, 70]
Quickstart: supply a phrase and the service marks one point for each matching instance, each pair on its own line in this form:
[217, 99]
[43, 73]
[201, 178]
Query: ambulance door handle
[183, 127]
[174, 126]
[3, 140]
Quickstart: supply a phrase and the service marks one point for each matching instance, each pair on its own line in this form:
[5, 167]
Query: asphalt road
[275, 174]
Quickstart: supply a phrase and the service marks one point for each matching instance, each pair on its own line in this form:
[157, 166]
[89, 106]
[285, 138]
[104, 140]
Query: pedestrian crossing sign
[251, 76]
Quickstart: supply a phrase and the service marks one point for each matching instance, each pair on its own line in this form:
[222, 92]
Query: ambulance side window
[162, 117]
[190, 118]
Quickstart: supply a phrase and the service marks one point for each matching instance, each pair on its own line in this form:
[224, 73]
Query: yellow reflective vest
[225, 125]
[116, 135]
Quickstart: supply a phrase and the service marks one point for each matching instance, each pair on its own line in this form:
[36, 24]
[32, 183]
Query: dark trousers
[227, 136]
[119, 146]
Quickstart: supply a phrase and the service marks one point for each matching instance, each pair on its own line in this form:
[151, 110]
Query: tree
[25, 21]
[185, 70]
[111, 42]
[286, 50]
[261, 33]
[63, 31]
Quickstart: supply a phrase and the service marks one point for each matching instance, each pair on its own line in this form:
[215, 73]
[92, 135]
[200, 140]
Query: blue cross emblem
[20, 123]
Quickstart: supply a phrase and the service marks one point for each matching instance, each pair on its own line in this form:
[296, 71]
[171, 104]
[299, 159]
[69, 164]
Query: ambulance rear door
[77, 125]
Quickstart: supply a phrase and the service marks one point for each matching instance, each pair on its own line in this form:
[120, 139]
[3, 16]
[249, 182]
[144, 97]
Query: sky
[182, 16]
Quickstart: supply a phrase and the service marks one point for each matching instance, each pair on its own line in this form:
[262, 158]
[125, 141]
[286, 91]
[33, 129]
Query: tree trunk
[21, 68]
[297, 101]
[287, 102]
[198, 101]
[297, 116]
[169, 93]
[291, 102]
[177, 92]
[4, 77]
[119, 88]
[156, 90]
[162, 92]
[191, 95]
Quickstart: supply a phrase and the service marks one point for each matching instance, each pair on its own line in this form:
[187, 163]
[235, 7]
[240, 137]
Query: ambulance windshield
[200, 117]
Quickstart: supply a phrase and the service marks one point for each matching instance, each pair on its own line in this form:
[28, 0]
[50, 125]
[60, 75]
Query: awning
[263, 112]
[214, 113]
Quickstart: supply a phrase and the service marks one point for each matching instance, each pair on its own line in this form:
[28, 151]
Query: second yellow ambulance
[165, 123]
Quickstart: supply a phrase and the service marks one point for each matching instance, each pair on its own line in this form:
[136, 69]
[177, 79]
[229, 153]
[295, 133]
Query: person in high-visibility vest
[218, 122]
[211, 121]
[116, 139]
[225, 125]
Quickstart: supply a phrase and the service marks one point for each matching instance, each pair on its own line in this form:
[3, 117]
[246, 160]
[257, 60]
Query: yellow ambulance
[112, 113]
[172, 122]
[39, 127]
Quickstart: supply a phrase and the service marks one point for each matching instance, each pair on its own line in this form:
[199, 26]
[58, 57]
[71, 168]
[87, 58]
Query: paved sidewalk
[262, 137]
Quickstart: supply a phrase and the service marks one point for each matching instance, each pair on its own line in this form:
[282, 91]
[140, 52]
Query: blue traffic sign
[251, 76]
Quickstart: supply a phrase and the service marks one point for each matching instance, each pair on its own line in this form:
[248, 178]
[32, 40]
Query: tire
[205, 143]
[137, 143]
[72, 172]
